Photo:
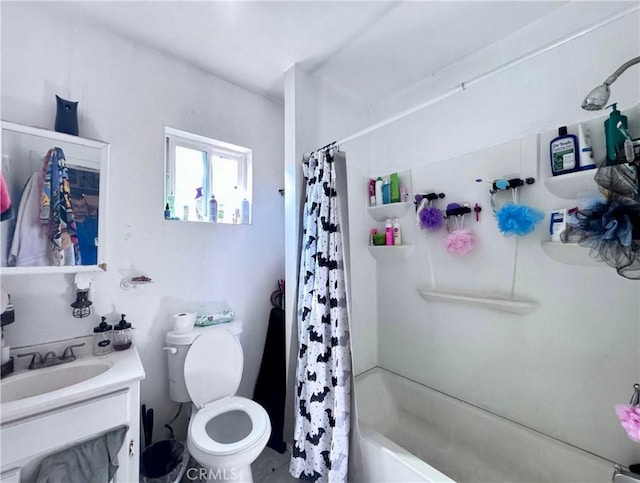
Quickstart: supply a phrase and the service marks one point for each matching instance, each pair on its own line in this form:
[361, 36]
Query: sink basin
[41, 381]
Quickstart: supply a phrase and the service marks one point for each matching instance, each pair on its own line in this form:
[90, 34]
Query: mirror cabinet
[56, 185]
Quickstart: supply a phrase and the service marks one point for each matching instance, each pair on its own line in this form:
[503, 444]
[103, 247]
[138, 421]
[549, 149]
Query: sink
[41, 381]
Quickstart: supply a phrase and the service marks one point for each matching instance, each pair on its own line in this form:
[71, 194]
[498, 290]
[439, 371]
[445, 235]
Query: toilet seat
[213, 367]
[204, 442]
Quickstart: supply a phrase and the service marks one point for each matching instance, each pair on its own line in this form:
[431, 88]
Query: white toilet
[226, 432]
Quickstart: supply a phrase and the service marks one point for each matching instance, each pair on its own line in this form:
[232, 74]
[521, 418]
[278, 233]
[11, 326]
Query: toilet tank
[177, 346]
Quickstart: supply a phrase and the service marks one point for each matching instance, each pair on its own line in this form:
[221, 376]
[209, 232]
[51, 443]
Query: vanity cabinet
[25, 244]
[35, 427]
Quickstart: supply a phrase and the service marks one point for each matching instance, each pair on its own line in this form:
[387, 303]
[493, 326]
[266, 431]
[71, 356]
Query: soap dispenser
[613, 135]
[122, 335]
[102, 336]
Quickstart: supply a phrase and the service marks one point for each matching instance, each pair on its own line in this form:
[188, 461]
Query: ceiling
[368, 49]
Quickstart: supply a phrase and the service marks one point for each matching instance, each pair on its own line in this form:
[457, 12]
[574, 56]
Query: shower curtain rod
[474, 80]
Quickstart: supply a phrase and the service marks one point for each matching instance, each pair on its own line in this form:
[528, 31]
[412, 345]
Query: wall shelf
[570, 253]
[384, 253]
[513, 305]
[569, 186]
[391, 210]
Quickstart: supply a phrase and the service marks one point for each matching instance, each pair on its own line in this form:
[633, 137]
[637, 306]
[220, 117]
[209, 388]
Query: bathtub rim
[377, 438]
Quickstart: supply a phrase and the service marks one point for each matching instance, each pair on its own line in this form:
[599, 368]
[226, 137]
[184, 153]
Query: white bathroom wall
[127, 94]
[561, 369]
[315, 115]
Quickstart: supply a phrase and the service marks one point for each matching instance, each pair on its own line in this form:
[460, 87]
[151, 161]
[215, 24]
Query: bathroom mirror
[206, 180]
[29, 242]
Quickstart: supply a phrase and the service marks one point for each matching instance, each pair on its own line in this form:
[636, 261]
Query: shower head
[599, 96]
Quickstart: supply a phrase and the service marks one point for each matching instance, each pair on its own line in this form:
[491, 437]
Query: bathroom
[571, 360]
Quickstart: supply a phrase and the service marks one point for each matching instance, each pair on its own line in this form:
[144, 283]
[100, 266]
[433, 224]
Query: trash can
[164, 462]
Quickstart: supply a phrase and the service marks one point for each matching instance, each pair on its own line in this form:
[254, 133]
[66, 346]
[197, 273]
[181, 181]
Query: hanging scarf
[56, 215]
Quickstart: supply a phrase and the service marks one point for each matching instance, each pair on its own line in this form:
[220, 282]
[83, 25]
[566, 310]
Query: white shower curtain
[323, 374]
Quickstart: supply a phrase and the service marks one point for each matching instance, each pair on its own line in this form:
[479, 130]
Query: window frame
[212, 148]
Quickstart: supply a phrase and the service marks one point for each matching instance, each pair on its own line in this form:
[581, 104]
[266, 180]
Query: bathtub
[410, 432]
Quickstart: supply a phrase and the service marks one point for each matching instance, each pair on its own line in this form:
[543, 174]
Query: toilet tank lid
[187, 338]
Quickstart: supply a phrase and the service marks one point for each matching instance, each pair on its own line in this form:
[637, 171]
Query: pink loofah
[630, 419]
[459, 242]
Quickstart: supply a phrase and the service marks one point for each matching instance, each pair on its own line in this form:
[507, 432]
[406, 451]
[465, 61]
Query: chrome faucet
[50, 358]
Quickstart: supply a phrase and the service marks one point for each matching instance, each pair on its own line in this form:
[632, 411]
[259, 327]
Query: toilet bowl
[226, 432]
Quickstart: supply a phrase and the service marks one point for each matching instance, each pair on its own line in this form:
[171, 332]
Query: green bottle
[614, 138]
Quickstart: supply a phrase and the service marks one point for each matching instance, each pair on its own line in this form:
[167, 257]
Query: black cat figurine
[66, 116]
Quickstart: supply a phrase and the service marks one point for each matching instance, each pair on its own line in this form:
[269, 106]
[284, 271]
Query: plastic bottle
[395, 188]
[372, 192]
[185, 214]
[614, 138]
[213, 209]
[388, 230]
[171, 201]
[379, 184]
[199, 204]
[220, 212]
[404, 193]
[245, 212]
[371, 233]
[587, 160]
[167, 212]
[386, 192]
[397, 235]
[563, 152]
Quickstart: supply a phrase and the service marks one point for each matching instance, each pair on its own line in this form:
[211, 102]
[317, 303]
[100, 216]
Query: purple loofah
[431, 218]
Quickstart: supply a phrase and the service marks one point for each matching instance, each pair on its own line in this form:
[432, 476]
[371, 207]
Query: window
[199, 170]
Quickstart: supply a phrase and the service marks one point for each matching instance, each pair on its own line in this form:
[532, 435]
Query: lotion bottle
[397, 235]
[388, 230]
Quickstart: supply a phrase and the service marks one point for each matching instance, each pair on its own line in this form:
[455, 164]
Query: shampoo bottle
[386, 192]
[395, 188]
[614, 138]
[379, 190]
[397, 235]
[563, 151]
[388, 230]
[372, 192]
[587, 160]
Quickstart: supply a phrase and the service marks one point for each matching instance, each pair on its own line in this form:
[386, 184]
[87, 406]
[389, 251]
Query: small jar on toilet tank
[122, 335]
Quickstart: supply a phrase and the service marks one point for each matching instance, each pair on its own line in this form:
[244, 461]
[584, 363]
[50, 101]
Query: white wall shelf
[569, 186]
[513, 305]
[571, 254]
[391, 210]
[384, 253]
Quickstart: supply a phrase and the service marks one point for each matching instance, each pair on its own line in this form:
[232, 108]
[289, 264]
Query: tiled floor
[270, 467]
